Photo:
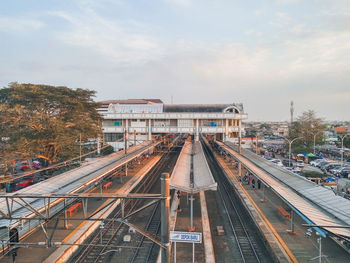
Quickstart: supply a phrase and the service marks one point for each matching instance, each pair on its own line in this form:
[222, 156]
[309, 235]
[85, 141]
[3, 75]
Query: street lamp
[342, 148]
[290, 147]
[315, 134]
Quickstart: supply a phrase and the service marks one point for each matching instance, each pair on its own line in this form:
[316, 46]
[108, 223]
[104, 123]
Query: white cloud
[121, 41]
[181, 3]
[19, 24]
[283, 2]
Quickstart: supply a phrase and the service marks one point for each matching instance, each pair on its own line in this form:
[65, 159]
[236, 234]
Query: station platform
[262, 204]
[77, 230]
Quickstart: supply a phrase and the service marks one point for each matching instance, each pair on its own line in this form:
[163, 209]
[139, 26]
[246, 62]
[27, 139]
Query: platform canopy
[192, 173]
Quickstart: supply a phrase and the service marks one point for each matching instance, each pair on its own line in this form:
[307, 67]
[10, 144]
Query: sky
[263, 54]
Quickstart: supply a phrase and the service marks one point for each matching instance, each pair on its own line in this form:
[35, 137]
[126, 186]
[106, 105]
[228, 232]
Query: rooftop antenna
[291, 111]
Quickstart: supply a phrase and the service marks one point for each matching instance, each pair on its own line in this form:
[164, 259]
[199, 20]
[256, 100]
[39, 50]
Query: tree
[307, 126]
[47, 121]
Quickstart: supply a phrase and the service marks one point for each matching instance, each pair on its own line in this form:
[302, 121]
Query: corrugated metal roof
[317, 203]
[69, 181]
[202, 178]
[200, 107]
[106, 103]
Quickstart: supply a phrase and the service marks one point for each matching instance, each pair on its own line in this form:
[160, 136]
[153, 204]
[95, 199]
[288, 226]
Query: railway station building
[140, 119]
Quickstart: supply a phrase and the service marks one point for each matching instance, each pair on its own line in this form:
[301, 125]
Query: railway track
[248, 244]
[102, 244]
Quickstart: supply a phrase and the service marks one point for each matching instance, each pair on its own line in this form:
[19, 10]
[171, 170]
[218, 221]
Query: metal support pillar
[226, 130]
[126, 169]
[239, 137]
[65, 223]
[85, 202]
[240, 169]
[123, 207]
[80, 147]
[98, 145]
[197, 131]
[149, 129]
[292, 228]
[165, 211]
[191, 215]
[256, 148]
[126, 141]
[134, 137]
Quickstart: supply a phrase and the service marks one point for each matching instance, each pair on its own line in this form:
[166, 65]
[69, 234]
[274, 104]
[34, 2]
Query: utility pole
[126, 141]
[291, 112]
[165, 211]
[342, 149]
[80, 146]
[290, 147]
[315, 134]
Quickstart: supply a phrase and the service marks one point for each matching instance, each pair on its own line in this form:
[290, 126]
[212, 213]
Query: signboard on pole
[185, 237]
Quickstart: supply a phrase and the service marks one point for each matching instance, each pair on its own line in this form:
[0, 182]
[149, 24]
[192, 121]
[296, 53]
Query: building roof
[202, 179]
[342, 129]
[106, 103]
[316, 204]
[201, 107]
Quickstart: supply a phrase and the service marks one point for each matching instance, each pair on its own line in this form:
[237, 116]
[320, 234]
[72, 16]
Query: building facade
[141, 119]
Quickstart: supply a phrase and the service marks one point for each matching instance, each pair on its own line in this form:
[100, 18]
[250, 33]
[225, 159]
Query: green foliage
[312, 174]
[107, 150]
[346, 141]
[46, 120]
[306, 126]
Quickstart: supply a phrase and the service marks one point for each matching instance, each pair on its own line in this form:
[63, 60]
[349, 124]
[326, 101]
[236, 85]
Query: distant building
[142, 118]
[342, 129]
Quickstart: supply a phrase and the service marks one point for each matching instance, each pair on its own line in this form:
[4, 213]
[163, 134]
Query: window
[112, 137]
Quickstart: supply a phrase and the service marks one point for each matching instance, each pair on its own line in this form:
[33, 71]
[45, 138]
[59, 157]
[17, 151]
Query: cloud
[122, 41]
[284, 2]
[19, 24]
[181, 3]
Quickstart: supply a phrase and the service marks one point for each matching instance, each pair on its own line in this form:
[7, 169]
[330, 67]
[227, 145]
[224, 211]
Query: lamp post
[342, 149]
[315, 134]
[290, 147]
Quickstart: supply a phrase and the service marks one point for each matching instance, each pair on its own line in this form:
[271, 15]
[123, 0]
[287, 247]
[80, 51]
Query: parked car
[345, 172]
[276, 161]
[330, 166]
[321, 165]
[296, 171]
[315, 162]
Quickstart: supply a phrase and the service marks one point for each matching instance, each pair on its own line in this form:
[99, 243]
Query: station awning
[192, 173]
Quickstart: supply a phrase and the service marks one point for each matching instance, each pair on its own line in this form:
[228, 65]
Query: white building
[143, 118]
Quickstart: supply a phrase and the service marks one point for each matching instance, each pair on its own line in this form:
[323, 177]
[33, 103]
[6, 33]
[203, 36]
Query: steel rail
[141, 243]
[145, 186]
[242, 237]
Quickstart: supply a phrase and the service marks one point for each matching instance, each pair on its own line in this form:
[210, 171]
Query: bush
[313, 174]
[108, 150]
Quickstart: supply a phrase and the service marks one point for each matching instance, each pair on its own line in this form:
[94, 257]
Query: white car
[300, 164]
[277, 161]
[315, 162]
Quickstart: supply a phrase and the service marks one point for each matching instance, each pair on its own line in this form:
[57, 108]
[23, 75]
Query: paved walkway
[184, 250]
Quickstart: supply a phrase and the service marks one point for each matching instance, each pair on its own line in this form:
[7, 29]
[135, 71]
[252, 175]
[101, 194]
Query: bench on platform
[283, 212]
[107, 185]
[73, 208]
